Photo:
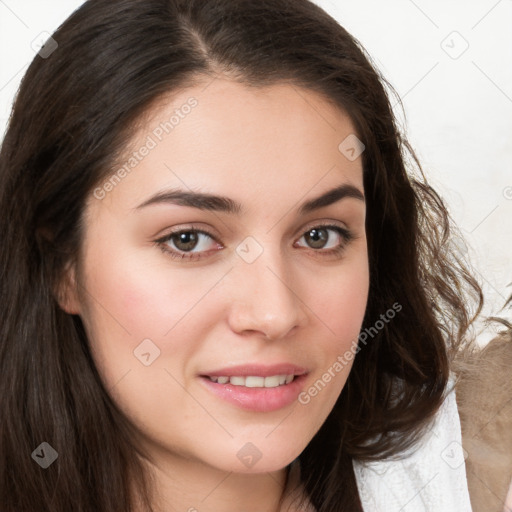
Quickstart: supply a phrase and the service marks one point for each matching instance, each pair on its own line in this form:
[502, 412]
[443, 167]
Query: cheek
[341, 304]
[132, 299]
[146, 299]
[135, 308]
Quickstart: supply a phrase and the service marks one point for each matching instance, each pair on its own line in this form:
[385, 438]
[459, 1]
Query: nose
[266, 299]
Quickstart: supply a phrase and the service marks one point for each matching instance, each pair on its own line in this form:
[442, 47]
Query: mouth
[257, 391]
[253, 381]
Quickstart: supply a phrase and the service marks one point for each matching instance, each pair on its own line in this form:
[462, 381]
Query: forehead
[225, 136]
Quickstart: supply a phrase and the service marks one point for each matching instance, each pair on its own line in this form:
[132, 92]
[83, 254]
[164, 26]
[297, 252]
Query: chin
[253, 457]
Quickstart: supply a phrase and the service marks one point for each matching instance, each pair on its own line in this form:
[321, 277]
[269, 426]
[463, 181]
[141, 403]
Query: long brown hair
[74, 115]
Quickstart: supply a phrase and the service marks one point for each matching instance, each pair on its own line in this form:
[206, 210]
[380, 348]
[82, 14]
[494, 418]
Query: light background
[450, 62]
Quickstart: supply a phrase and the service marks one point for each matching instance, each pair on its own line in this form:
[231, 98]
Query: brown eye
[191, 244]
[317, 238]
[185, 241]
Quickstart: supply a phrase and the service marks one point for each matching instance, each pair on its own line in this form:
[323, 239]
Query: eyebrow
[211, 202]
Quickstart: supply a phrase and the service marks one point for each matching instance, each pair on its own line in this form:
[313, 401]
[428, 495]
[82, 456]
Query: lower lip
[258, 399]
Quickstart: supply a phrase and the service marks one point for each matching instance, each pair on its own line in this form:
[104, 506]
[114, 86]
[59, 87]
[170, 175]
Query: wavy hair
[73, 117]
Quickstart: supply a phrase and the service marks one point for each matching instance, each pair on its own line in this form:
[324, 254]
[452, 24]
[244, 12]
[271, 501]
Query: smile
[254, 381]
[256, 393]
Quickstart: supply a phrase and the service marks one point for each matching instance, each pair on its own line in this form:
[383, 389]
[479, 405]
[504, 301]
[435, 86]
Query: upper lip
[257, 370]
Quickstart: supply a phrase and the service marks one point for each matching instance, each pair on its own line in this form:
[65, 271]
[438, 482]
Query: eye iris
[318, 238]
[189, 238]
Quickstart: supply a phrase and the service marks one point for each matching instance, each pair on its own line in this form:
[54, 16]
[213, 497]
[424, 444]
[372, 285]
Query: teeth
[272, 382]
[255, 381]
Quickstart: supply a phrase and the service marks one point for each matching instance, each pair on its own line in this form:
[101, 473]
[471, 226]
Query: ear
[67, 292]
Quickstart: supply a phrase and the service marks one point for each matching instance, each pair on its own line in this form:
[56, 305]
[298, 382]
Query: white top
[430, 479]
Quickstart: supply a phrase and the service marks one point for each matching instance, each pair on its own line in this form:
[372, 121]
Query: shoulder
[430, 477]
[484, 397]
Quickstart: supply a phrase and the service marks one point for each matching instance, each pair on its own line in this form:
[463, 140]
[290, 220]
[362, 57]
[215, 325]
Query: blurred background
[450, 62]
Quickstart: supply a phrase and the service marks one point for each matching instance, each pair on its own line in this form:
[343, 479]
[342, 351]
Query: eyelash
[345, 234]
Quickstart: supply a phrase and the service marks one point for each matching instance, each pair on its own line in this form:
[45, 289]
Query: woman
[223, 290]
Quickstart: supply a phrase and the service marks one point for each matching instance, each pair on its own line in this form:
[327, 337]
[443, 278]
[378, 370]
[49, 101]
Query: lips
[258, 388]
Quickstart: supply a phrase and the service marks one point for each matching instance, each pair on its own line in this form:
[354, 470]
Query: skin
[270, 149]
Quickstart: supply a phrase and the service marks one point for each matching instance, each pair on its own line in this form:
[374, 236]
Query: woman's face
[254, 288]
